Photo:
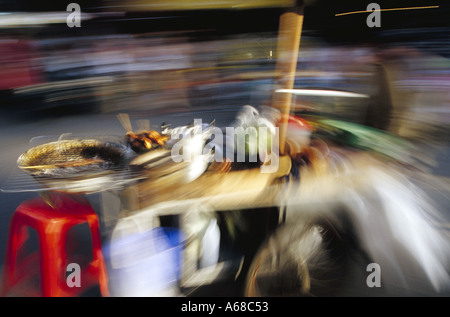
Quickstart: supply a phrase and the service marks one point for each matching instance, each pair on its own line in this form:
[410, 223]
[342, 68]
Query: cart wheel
[299, 259]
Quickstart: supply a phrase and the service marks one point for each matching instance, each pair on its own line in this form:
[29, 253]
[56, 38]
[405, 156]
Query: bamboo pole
[288, 44]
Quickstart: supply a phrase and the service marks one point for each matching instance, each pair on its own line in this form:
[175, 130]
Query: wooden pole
[290, 30]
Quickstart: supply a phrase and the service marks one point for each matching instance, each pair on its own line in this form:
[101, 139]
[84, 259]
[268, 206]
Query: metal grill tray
[87, 179]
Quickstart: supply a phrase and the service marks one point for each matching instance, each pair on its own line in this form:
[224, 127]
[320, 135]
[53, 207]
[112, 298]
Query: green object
[367, 138]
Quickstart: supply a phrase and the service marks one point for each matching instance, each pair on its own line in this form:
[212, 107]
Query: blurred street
[364, 177]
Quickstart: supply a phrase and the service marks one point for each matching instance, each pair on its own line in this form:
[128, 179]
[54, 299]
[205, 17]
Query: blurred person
[379, 108]
[17, 64]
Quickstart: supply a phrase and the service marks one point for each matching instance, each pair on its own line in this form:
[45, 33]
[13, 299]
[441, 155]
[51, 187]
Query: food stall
[263, 201]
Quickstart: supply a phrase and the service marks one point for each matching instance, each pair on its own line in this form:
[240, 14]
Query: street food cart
[168, 221]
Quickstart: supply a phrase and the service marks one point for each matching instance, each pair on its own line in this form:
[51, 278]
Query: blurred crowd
[408, 87]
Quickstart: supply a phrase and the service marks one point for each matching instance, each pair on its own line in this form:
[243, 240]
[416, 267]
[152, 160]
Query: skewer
[143, 125]
[124, 119]
[65, 164]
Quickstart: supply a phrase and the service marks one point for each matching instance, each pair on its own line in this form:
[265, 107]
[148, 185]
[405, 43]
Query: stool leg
[98, 255]
[16, 238]
[52, 244]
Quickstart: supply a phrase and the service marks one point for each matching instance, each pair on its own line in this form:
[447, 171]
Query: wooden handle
[287, 54]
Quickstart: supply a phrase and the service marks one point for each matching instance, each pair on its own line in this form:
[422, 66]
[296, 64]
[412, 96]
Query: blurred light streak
[158, 5]
[392, 9]
[9, 20]
[319, 92]
[63, 84]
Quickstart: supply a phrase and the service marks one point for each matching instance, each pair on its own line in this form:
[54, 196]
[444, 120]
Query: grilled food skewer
[143, 141]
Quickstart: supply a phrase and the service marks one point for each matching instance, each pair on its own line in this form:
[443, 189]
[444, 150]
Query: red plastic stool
[51, 218]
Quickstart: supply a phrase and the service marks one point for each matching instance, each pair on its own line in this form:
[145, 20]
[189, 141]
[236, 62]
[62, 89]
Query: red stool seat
[43, 272]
